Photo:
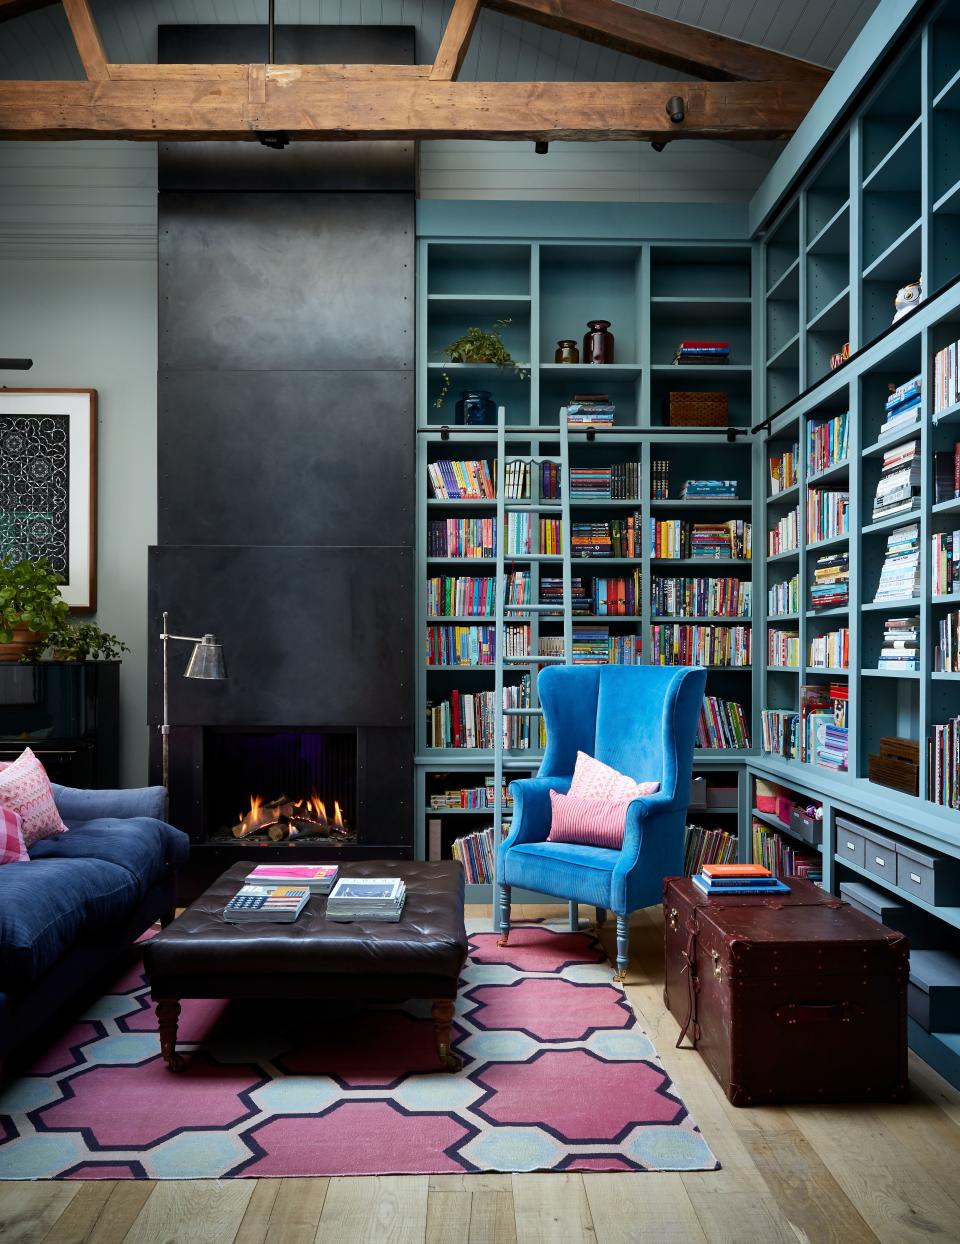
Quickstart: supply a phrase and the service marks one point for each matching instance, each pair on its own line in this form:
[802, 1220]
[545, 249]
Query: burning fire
[289, 818]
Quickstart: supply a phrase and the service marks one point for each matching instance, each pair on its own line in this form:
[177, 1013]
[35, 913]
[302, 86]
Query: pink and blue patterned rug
[557, 1076]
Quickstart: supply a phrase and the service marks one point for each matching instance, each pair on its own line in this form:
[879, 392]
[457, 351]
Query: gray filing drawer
[919, 929]
[934, 878]
[880, 855]
[933, 997]
[849, 841]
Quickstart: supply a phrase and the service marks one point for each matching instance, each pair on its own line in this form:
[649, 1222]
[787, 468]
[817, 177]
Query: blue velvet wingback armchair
[642, 721]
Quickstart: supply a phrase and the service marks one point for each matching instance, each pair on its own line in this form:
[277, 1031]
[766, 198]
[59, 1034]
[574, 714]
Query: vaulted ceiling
[39, 44]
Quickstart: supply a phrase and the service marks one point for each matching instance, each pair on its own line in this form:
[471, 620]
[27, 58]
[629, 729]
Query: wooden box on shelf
[698, 410]
[897, 765]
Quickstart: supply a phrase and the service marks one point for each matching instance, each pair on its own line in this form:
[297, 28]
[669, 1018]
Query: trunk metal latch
[717, 965]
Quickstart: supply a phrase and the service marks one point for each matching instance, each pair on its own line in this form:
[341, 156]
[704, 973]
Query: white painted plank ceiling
[99, 198]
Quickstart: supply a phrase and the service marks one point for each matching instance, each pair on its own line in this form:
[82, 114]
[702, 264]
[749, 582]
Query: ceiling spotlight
[541, 148]
[659, 146]
[675, 109]
[276, 140]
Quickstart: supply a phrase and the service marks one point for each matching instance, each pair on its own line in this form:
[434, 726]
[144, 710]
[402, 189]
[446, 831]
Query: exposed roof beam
[677, 45]
[308, 108]
[87, 38]
[456, 40]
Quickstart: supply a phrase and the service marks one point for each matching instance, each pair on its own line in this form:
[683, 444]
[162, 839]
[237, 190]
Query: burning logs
[283, 818]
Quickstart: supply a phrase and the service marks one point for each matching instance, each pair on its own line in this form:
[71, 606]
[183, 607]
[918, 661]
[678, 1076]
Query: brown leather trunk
[788, 997]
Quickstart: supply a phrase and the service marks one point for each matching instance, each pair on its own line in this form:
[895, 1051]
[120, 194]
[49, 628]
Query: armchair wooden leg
[601, 917]
[623, 947]
[574, 917]
[502, 914]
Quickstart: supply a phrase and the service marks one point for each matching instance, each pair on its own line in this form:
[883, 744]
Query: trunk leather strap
[693, 987]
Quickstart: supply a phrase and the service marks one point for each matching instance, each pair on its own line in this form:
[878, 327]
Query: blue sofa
[82, 900]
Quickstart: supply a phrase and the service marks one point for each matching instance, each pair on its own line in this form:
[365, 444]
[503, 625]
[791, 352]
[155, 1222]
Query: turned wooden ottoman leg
[442, 1022]
[168, 1013]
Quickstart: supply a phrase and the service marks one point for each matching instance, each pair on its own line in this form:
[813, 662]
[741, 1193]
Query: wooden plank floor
[797, 1175]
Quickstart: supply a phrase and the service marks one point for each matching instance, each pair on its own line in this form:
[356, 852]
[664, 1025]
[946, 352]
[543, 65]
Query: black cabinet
[68, 713]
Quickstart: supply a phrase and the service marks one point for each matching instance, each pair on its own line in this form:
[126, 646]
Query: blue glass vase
[476, 406]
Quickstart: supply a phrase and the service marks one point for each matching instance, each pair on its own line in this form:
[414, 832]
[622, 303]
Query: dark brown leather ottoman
[200, 955]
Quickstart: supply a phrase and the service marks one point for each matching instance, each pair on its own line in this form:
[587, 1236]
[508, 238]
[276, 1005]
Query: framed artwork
[48, 484]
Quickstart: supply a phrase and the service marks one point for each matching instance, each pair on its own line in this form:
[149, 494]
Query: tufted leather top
[428, 943]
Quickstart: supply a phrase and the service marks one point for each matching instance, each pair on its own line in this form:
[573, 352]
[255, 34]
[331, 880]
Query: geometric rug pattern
[557, 1076]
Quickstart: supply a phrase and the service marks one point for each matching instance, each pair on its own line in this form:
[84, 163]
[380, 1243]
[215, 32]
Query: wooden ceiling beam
[456, 40]
[701, 53]
[87, 38]
[307, 108]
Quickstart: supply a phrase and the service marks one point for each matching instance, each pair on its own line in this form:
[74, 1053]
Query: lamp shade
[206, 660]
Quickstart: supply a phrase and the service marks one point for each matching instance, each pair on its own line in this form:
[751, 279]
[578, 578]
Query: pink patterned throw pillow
[12, 850]
[587, 822]
[25, 789]
[592, 779]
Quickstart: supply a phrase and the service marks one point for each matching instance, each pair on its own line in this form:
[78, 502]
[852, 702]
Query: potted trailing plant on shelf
[84, 641]
[30, 608]
[479, 346]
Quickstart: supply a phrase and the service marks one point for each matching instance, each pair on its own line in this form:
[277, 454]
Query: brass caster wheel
[502, 939]
[620, 977]
[451, 1062]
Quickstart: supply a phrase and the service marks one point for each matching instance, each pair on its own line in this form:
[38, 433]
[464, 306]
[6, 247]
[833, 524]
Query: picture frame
[48, 484]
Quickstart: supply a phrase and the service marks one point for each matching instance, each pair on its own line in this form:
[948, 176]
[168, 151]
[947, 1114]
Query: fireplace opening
[265, 787]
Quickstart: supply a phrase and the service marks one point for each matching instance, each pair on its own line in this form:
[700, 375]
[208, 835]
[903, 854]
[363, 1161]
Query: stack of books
[722, 724]
[461, 645]
[783, 649]
[590, 410]
[280, 904]
[714, 597]
[830, 651]
[616, 538]
[944, 754]
[317, 878]
[831, 585]
[902, 407]
[594, 645]
[470, 798]
[827, 443]
[898, 489]
[779, 730]
[378, 899]
[674, 643]
[946, 378]
[460, 481]
[620, 482]
[946, 653]
[551, 593]
[709, 490]
[475, 855]
[719, 879]
[828, 514]
[660, 479]
[707, 846]
[900, 572]
[901, 644]
[783, 470]
[946, 474]
[473, 596]
[517, 588]
[618, 597]
[783, 857]
[833, 740]
[467, 720]
[945, 551]
[784, 597]
[785, 537]
[462, 537]
[702, 352]
[676, 539]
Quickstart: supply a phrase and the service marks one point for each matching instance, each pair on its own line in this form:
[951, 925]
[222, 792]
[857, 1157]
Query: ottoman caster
[442, 1022]
[168, 1013]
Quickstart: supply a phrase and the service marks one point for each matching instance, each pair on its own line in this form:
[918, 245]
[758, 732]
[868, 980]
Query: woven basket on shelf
[698, 410]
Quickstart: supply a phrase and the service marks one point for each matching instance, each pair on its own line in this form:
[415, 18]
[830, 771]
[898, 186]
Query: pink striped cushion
[12, 850]
[26, 790]
[592, 779]
[587, 822]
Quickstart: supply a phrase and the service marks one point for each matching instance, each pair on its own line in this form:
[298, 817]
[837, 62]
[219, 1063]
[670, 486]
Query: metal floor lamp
[206, 661]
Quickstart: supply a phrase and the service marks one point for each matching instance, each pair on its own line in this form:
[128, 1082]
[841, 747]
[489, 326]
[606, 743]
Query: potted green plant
[84, 641]
[479, 346]
[30, 607]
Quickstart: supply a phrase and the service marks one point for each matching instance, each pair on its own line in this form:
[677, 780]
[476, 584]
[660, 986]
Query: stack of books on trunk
[709, 490]
[831, 584]
[367, 898]
[901, 644]
[590, 410]
[898, 489]
[903, 407]
[900, 572]
[702, 352]
[719, 879]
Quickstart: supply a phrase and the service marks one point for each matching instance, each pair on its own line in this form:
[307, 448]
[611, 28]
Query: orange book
[736, 870]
